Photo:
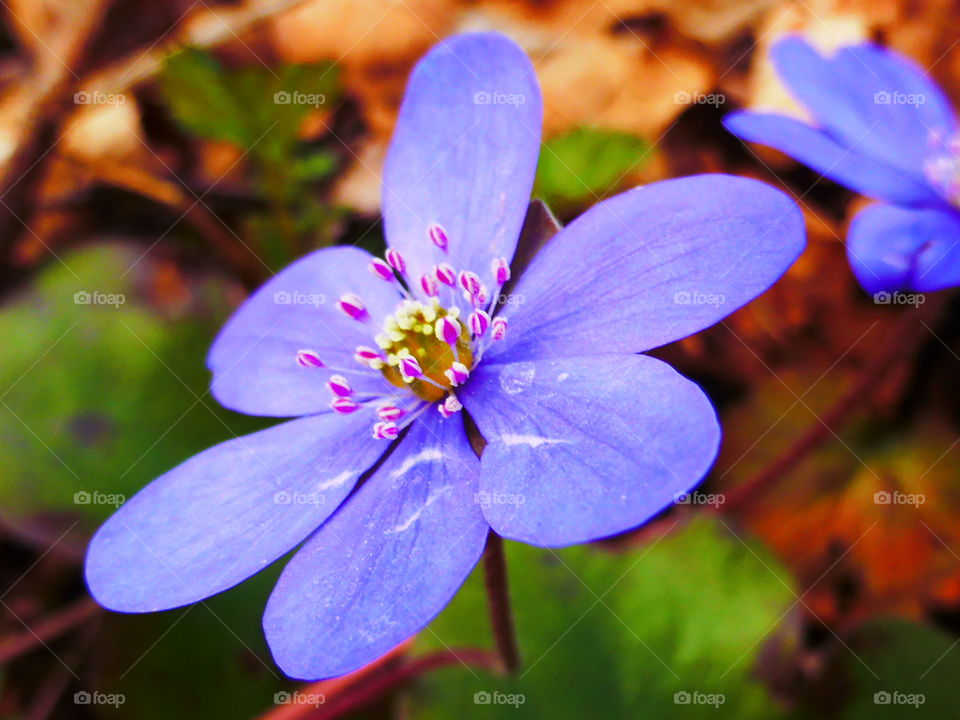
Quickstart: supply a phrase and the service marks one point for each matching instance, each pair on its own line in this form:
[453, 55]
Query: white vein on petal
[431, 499]
[534, 441]
[337, 481]
[429, 455]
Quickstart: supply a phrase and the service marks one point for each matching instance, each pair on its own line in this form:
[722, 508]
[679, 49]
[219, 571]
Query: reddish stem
[901, 341]
[47, 630]
[344, 695]
[498, 596]
[361, 696]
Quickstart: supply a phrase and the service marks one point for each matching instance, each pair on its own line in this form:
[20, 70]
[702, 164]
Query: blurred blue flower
[884, 129]
[584, 437]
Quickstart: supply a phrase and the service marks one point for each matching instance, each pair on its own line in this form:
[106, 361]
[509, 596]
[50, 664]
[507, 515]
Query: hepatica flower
[882, 128]
[381, 360]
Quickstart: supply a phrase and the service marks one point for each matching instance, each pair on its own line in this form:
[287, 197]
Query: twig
[204, 28]
[48, 629]
[901, 341]
[343, 694]
[46, 98]
[360, 696]
[52, 689]
[55, 543]
[169, 194]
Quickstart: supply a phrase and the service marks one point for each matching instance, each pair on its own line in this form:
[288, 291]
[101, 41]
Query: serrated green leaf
[618, 636]
[585, 164]
[197, 90]
[316, 166]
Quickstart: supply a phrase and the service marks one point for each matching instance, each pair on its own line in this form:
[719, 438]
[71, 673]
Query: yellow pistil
[410, 332]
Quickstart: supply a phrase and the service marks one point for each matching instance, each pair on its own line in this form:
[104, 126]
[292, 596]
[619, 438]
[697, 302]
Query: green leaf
[103, 391]
[585, 164]
[257, 108]
[207, 660]
[195, 87]
[619, 635]
[317, 166]
[900, 669]
[262, 110]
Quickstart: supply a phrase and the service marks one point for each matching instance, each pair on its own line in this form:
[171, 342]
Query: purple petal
[893, 248]
[254, 358]
[227, 513]
[880, 104]
[463, 155]
[387, 562]
[586, 447]
[652, 265]
[849, 167]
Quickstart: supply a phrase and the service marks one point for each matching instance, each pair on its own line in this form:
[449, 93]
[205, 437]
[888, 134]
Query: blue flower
[882, 128]
[584, 436]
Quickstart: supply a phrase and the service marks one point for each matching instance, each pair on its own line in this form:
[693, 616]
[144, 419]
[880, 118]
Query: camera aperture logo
[282, 97]
[299, 298]
[83, 497]
[484, 697]
[285, 497]
[700, 498]
[498, 98]
[899, 298]
[296, 697]
[487, 499]
[694, 297]
[95, 97]
[83, 297]
[699, 98]
[683, 697]
[885, 97]
[884, 497]
[883, 697]
[84, 697]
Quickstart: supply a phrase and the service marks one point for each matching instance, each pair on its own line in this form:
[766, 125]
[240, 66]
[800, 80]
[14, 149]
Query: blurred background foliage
[160, 160]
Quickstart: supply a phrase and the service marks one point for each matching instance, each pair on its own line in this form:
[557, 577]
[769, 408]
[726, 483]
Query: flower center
[942, 166]
[424, 347]
[427, 349]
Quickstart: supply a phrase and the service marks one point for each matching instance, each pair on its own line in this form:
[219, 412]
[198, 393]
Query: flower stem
[498, 595]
